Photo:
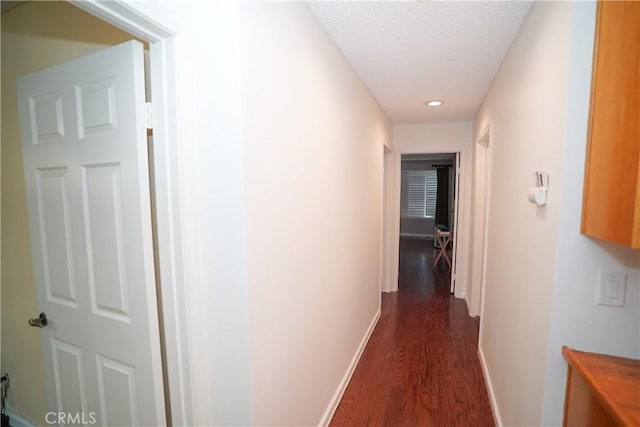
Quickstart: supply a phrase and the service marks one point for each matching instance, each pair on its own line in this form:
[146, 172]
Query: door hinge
[149, 115]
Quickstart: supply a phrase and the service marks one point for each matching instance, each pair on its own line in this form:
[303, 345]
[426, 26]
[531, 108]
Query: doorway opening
[428, 215]
[83, 139]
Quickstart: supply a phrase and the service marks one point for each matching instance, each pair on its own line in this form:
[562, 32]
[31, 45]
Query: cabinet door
[611, 206]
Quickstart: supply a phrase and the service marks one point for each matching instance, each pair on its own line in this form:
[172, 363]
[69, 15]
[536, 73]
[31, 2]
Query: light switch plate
[611, 289]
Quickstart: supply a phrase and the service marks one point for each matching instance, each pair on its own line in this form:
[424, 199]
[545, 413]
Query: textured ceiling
[408, 52]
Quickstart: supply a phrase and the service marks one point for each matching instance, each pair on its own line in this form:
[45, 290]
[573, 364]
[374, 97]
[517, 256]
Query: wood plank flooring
[420, 367]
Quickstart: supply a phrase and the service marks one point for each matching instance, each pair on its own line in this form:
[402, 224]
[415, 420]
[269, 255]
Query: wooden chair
[443, 240]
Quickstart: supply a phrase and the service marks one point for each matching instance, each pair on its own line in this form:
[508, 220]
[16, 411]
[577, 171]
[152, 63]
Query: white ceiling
[408, 52]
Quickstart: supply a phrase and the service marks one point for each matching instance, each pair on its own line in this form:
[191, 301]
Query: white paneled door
[83, 128]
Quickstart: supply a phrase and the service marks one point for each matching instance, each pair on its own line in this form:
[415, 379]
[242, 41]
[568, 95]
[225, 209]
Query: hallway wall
[526, 108]
[541, 272]
[313, 144]
[576, 321]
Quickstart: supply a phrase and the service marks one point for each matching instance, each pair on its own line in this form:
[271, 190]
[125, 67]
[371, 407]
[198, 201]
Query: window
[419, 189]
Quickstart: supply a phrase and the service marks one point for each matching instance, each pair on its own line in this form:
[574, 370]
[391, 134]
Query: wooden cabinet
[611, 200]
[601, 390]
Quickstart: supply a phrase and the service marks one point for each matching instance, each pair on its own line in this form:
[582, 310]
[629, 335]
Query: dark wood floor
[420, 367]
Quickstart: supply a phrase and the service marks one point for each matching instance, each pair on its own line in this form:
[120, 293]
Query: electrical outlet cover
[611, 289]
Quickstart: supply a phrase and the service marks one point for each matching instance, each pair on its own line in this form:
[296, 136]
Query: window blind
[422, 191]
[417, 193]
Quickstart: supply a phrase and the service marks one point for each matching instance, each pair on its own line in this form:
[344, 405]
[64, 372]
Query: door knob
[40, 322]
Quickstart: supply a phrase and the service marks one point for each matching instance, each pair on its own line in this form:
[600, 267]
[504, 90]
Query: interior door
[83, 129]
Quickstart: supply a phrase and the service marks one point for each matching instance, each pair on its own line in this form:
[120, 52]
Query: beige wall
[526, 108]
[34, 36]
[314, 139]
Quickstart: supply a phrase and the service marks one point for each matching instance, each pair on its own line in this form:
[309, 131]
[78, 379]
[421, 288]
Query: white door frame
[389, 220]
[457, 173]
[393, 252]
[484, 141]
[180, 311]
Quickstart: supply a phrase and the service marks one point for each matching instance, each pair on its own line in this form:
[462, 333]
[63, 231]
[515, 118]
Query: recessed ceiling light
[434, 103]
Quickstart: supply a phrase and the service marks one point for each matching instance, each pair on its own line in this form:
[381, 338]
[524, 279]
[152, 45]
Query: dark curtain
[442, 196]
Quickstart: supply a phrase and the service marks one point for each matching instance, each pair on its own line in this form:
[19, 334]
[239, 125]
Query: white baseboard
[489, 385]
[335, 400]
[466, 300]
[16, 420]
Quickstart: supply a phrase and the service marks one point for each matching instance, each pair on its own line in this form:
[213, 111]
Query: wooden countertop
[614, 381]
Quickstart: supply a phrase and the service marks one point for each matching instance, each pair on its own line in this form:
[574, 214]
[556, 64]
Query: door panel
[86, 174]
[71, 394]
[46, 118]
[55, 230]
[116, 382]
[97, 107]
[105, 240]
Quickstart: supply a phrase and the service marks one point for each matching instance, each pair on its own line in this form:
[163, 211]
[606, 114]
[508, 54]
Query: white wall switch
[611, 289]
